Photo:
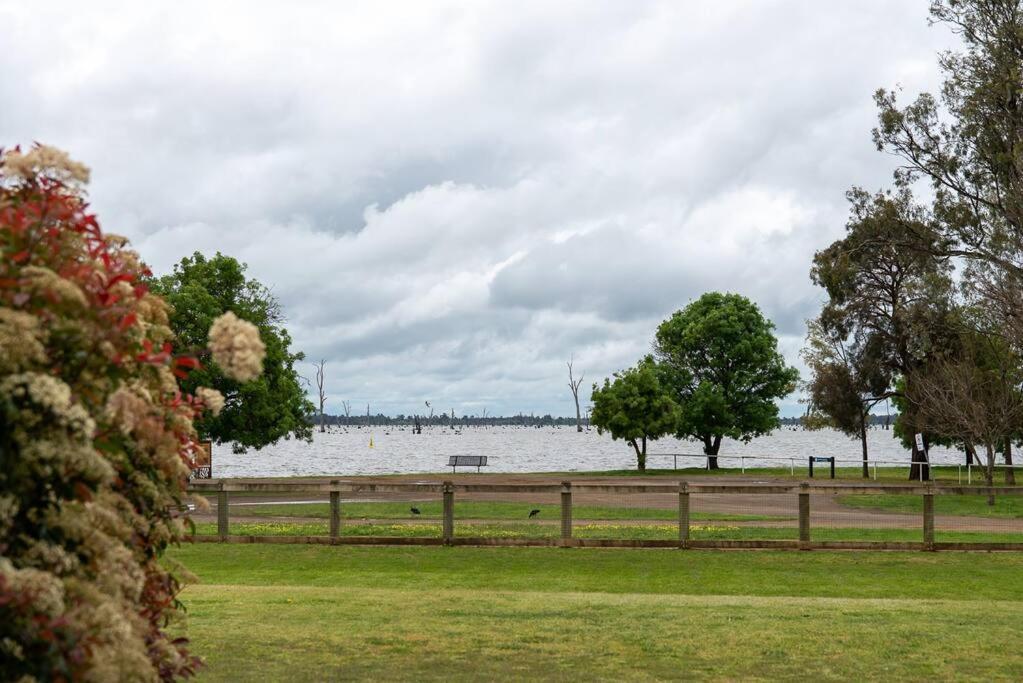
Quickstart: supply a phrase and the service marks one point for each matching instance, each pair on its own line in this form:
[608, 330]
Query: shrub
[96, 440]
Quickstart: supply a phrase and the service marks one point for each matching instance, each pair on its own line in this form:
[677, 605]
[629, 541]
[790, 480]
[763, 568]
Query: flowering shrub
[96, 440]
[236, 347]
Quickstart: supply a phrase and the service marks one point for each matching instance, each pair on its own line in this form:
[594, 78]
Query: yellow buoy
[371, 442]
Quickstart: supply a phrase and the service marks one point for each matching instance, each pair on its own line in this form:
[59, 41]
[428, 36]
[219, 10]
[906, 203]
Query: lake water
[523, 449]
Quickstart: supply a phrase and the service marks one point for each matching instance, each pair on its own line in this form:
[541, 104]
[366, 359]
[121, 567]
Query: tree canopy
[634, 407]
[719, 360]
[256, 413]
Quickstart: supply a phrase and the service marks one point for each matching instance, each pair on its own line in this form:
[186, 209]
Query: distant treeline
[508, 420]
[446, 420]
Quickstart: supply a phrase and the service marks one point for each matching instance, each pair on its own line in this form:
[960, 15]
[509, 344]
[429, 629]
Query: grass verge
[301, 613]
[973, 506]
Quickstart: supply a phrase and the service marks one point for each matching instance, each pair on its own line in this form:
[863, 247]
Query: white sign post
[923, 453]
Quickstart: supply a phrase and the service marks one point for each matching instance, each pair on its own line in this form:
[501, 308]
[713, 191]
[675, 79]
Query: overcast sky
[452, 199]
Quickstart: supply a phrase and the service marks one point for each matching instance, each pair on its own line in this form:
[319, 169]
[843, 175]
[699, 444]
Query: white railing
[791, 460]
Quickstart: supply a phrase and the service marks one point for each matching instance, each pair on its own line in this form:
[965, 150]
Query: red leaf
[127, 321]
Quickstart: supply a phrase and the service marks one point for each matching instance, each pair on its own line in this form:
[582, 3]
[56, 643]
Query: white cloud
[451, 199]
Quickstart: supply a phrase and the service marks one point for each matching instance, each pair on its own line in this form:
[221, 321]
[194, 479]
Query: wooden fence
[222, 489]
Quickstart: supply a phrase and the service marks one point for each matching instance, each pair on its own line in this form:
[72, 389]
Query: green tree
[256, 413]
[966, 143]
[634, 407]
[719, 358]
[845, 384]
[888, 300]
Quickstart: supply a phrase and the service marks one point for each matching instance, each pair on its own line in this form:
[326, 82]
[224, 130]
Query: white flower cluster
[126, 409]
[46, 589]
[236, 347]
[20, 344]
[211, 398]
[43, 160]
[41, 279]
[50, 399]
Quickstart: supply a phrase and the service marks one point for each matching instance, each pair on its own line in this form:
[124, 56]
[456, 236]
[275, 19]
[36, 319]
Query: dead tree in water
[319, 387]
[347, 405]
[574, 385]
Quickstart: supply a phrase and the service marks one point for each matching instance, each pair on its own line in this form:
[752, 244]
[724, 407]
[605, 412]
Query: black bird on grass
[415, 510]
[533, 513]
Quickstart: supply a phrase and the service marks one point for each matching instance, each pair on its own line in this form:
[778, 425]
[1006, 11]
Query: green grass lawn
[478, 510]
[973, 506]
[311, 613]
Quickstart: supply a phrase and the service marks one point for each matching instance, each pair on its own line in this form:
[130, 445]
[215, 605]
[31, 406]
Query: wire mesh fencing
[973, 517]
[840, 517]
[609, 514]
[588, 513]
[487, 516]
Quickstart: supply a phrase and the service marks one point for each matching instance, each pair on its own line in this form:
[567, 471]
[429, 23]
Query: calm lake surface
[522, 449]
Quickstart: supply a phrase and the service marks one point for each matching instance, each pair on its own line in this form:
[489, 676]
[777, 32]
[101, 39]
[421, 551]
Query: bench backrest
[467, 461]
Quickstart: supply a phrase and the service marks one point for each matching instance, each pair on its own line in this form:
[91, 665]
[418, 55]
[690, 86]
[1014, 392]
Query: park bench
[476, 461]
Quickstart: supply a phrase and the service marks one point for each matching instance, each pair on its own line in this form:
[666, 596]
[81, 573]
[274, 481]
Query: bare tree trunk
[574, 385]
[1010, 474]
[971, 453]
[319, 387]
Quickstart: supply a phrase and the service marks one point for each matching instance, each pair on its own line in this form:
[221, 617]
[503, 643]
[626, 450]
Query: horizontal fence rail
[566, 492]
[794, 461]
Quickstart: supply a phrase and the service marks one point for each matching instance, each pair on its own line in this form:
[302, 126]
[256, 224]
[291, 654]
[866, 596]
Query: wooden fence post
[448, 530]
[804, 516]
[566, 512]
[222, 519]
[683, 515]
[929, 520]
[335, 514]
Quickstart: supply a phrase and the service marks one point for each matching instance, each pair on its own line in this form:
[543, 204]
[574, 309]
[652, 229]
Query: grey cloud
[451, 205]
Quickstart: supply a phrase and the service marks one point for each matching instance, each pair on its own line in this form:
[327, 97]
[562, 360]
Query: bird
[533, 513]
[415, 510]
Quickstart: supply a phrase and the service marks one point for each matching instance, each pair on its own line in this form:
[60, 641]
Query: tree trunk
[989, 471]
[711, 445]
[640, 454]
[919, 470]
[970, 453]
[1010, 474]
[578, 416]
[863, 442]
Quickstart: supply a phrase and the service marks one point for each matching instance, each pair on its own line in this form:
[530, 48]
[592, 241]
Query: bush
[96, 440]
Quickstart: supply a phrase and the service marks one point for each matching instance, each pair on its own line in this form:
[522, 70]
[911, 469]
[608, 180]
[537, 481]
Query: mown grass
[609, 530]
[300, 613]
[972, 506]
[478, 510]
